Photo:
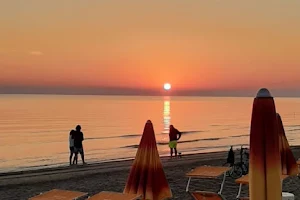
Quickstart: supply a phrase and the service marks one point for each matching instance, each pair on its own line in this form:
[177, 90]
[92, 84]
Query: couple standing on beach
[75, 143]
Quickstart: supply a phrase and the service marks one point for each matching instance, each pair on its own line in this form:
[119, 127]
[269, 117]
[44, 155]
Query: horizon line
[119, 91]
[147, 95]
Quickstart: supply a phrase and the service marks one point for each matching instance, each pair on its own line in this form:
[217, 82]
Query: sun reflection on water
[166, 114]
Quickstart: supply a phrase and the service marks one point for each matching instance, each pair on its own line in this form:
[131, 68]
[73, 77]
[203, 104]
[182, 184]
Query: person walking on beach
[71, 146]
[78, 147]
[173, 140]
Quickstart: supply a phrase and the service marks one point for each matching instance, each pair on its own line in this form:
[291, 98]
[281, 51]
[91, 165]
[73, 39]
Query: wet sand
[112, 176]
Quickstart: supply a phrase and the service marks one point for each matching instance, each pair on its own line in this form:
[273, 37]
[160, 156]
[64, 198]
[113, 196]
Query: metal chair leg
[188, 184]
[222, 185]
[239, 193]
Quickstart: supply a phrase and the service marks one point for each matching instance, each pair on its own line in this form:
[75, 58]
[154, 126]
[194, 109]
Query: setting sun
[167, 86]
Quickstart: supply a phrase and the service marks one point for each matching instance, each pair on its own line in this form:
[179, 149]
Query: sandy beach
[113, 175]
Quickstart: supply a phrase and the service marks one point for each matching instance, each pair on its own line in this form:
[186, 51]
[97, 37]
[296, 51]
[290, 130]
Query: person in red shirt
[173, 140]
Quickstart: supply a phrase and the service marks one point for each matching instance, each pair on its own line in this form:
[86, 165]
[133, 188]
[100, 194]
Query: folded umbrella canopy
[265, 164]
[147, 176]
[288, 162]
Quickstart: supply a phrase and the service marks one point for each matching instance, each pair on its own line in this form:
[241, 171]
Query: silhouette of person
[78, 147]
[173, 140]
[230, 157]
[71, 146]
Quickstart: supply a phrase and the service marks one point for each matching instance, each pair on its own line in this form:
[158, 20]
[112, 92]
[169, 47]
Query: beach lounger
[207, 172]
[105, 195]
[204, 195]
[57, 194]
[244, 180]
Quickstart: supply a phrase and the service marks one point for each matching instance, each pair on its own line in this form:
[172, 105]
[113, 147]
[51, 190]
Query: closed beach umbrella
[265, 164]
[288, 161]
[147, 176]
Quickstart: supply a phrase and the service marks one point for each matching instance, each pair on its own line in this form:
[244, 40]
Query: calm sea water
[35, 128]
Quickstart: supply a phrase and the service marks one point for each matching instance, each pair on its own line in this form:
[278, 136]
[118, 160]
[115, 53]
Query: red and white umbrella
[265, 163]
[147, 176]
[288, 161]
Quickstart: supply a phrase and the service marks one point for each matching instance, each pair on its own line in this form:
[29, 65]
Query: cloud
[36, 53]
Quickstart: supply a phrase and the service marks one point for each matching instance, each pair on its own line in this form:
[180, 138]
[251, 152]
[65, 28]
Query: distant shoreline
[147, 95]
[136, 91]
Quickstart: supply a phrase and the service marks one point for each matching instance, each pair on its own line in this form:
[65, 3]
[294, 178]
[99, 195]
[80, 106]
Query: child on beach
[173, 140]
[71, 146]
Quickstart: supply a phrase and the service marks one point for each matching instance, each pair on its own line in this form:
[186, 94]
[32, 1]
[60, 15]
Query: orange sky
[191, 44]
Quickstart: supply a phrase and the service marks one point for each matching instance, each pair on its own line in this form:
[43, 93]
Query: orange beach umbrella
[265, 164]
[288, 161]
[147, 176]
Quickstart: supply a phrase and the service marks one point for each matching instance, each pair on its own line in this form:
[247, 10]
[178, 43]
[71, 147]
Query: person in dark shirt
[173, 140]
[78, 147]
[230, 157]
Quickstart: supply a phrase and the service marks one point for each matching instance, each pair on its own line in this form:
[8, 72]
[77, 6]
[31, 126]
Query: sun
[167, 86]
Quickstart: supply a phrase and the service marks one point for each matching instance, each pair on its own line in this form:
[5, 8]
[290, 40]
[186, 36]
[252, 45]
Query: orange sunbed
[203, 195]
[105, 195]
[59, 194]
[207, 172]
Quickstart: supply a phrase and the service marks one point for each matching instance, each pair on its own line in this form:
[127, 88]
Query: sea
[34, 129]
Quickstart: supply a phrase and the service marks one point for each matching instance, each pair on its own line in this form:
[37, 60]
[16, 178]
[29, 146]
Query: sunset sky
[214, 45]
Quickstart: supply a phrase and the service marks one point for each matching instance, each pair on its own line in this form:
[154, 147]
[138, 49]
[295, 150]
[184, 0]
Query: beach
[112, 176]
[115, 80]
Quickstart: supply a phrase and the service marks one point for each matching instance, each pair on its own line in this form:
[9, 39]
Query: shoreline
[59, 166]
[112, 176]
[61, 162]
[55, 173]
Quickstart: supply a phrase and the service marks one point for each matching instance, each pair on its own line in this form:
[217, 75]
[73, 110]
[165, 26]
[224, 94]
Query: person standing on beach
[71, 146]
[173, 140]
[78, 147]
[230, 157]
